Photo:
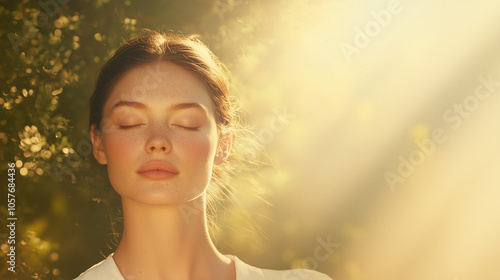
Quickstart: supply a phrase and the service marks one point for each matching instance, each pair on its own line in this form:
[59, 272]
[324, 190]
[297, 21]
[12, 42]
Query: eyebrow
[142, 106]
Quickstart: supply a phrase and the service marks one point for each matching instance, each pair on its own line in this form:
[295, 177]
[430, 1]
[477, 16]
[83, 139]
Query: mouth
[158, 170]
[157, 174]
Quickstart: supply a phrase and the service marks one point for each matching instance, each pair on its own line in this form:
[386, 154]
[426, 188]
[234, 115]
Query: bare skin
[165, 229]
[171, 249]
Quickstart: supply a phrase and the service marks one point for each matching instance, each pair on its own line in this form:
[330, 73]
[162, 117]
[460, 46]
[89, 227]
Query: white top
[107, 270]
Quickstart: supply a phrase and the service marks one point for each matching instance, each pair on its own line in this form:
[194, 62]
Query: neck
[169, 242]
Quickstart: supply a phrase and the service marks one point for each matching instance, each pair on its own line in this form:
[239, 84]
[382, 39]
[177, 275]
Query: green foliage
[51, 52]
[68, 214]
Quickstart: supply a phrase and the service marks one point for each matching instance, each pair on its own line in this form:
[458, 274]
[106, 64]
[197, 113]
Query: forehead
[160, 85]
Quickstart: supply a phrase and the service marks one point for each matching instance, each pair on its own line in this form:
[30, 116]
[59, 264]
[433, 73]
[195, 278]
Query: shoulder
[104, 270]
[247, 272]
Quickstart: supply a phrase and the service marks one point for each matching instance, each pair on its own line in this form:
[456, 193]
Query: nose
[158, 142]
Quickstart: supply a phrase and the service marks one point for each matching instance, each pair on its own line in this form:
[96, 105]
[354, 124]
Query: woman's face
[161, 115]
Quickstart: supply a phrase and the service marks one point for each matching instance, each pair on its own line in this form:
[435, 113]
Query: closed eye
[188, 128]
[128, 126]
[125, 127]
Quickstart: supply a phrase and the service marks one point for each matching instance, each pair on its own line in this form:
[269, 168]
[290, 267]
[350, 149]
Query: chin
[162, 196]
[159, 196]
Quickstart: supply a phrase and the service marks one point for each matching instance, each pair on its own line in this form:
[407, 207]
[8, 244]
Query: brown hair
[188, 52]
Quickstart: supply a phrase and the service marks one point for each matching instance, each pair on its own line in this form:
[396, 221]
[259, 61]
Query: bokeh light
[380, 118]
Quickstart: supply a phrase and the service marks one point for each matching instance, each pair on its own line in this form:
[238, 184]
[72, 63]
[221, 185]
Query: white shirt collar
[107, 269]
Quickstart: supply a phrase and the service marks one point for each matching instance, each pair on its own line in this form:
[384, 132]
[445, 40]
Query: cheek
[198, 151]
[118, 149]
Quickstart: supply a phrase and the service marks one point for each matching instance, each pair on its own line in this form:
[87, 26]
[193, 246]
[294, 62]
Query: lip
[157, 170]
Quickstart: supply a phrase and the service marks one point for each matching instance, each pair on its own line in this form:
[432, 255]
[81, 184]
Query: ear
[97, 146]
[223, 148]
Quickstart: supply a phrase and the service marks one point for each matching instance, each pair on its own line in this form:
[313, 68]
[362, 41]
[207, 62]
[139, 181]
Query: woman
[162, 120]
